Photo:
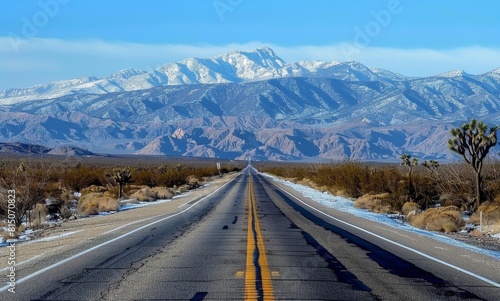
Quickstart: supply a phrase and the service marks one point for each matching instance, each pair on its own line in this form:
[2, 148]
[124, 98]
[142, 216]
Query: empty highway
[252, 239]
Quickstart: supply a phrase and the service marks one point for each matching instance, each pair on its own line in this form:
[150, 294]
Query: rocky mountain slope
[243, 104]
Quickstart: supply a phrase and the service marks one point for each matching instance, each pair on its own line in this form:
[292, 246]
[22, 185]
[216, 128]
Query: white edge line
[28, 277]
[400, 245]
[129, 224]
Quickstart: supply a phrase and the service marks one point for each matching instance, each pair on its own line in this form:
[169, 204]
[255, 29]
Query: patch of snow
[128, 206]
[55, 237]
[346, 205]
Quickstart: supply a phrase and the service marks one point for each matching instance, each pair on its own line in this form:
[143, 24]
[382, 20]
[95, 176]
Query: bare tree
[28, 183]
[473, 141]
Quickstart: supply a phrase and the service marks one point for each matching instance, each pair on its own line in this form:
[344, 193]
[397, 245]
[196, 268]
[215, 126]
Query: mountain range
[253, 104]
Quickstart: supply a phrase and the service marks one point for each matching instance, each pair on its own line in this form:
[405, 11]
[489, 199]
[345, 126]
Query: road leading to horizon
[253, 240]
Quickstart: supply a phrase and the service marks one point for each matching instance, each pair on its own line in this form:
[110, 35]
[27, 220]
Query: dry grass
[491, 214]
[323, 188]
[147, 194]
[144, 195]
[444, 219]
[95, 202]
[93, 188]
[6, 235]
[162, 193]
[494, 229]
[409, 207]
[374, 202]
[111, 194]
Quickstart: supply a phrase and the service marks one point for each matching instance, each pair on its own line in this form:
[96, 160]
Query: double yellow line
[258, 284]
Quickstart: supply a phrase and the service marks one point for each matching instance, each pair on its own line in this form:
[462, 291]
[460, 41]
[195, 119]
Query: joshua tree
[410, 163]
[473, 141]
[122, 176]
[431, 166]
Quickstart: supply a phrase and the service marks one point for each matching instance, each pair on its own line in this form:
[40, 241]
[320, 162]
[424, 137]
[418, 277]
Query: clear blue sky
[46, 40]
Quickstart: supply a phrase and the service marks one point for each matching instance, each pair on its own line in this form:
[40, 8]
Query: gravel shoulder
[483, 241]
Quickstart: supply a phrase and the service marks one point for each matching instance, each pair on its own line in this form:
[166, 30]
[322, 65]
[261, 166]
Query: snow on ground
[346, 205]
[127, 206]
[55, 237]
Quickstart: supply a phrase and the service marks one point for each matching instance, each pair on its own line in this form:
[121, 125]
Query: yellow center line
[262, 287]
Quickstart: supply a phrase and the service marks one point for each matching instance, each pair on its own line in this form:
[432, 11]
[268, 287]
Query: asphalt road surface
[253, 240]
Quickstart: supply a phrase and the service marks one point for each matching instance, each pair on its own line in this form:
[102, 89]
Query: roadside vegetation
[436, 201]
[428, 195]
[68, 188]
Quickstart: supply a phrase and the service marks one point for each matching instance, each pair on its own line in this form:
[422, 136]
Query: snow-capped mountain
[232, 67]
[244, 104]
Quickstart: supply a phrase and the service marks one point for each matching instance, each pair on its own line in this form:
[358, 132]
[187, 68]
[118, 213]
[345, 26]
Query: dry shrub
[131, 189]
[182, 189]
[310, 183]
[491, 214]
[93, 188]
[193, 181]
[409, 207]
[346, 176]
[96, 202]
[145, 194]
[12, 235]
[111, 194]
[162, 193]
[444, 219]
[5, 235]
[108, 204]
[376, 203]
[307, 182]
[494, 229]
[90, 196]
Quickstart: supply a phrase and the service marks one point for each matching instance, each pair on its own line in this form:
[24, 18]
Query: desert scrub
[93, 188]
[147, 194]
[409, 207]
[378, 203]
[144, 195]
[491, 214]
[444, 219]
[163, 193]
[95, 202]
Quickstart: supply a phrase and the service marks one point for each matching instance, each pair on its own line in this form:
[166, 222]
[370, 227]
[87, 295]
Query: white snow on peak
[125, 74]
[453, 73]
[231, 67]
